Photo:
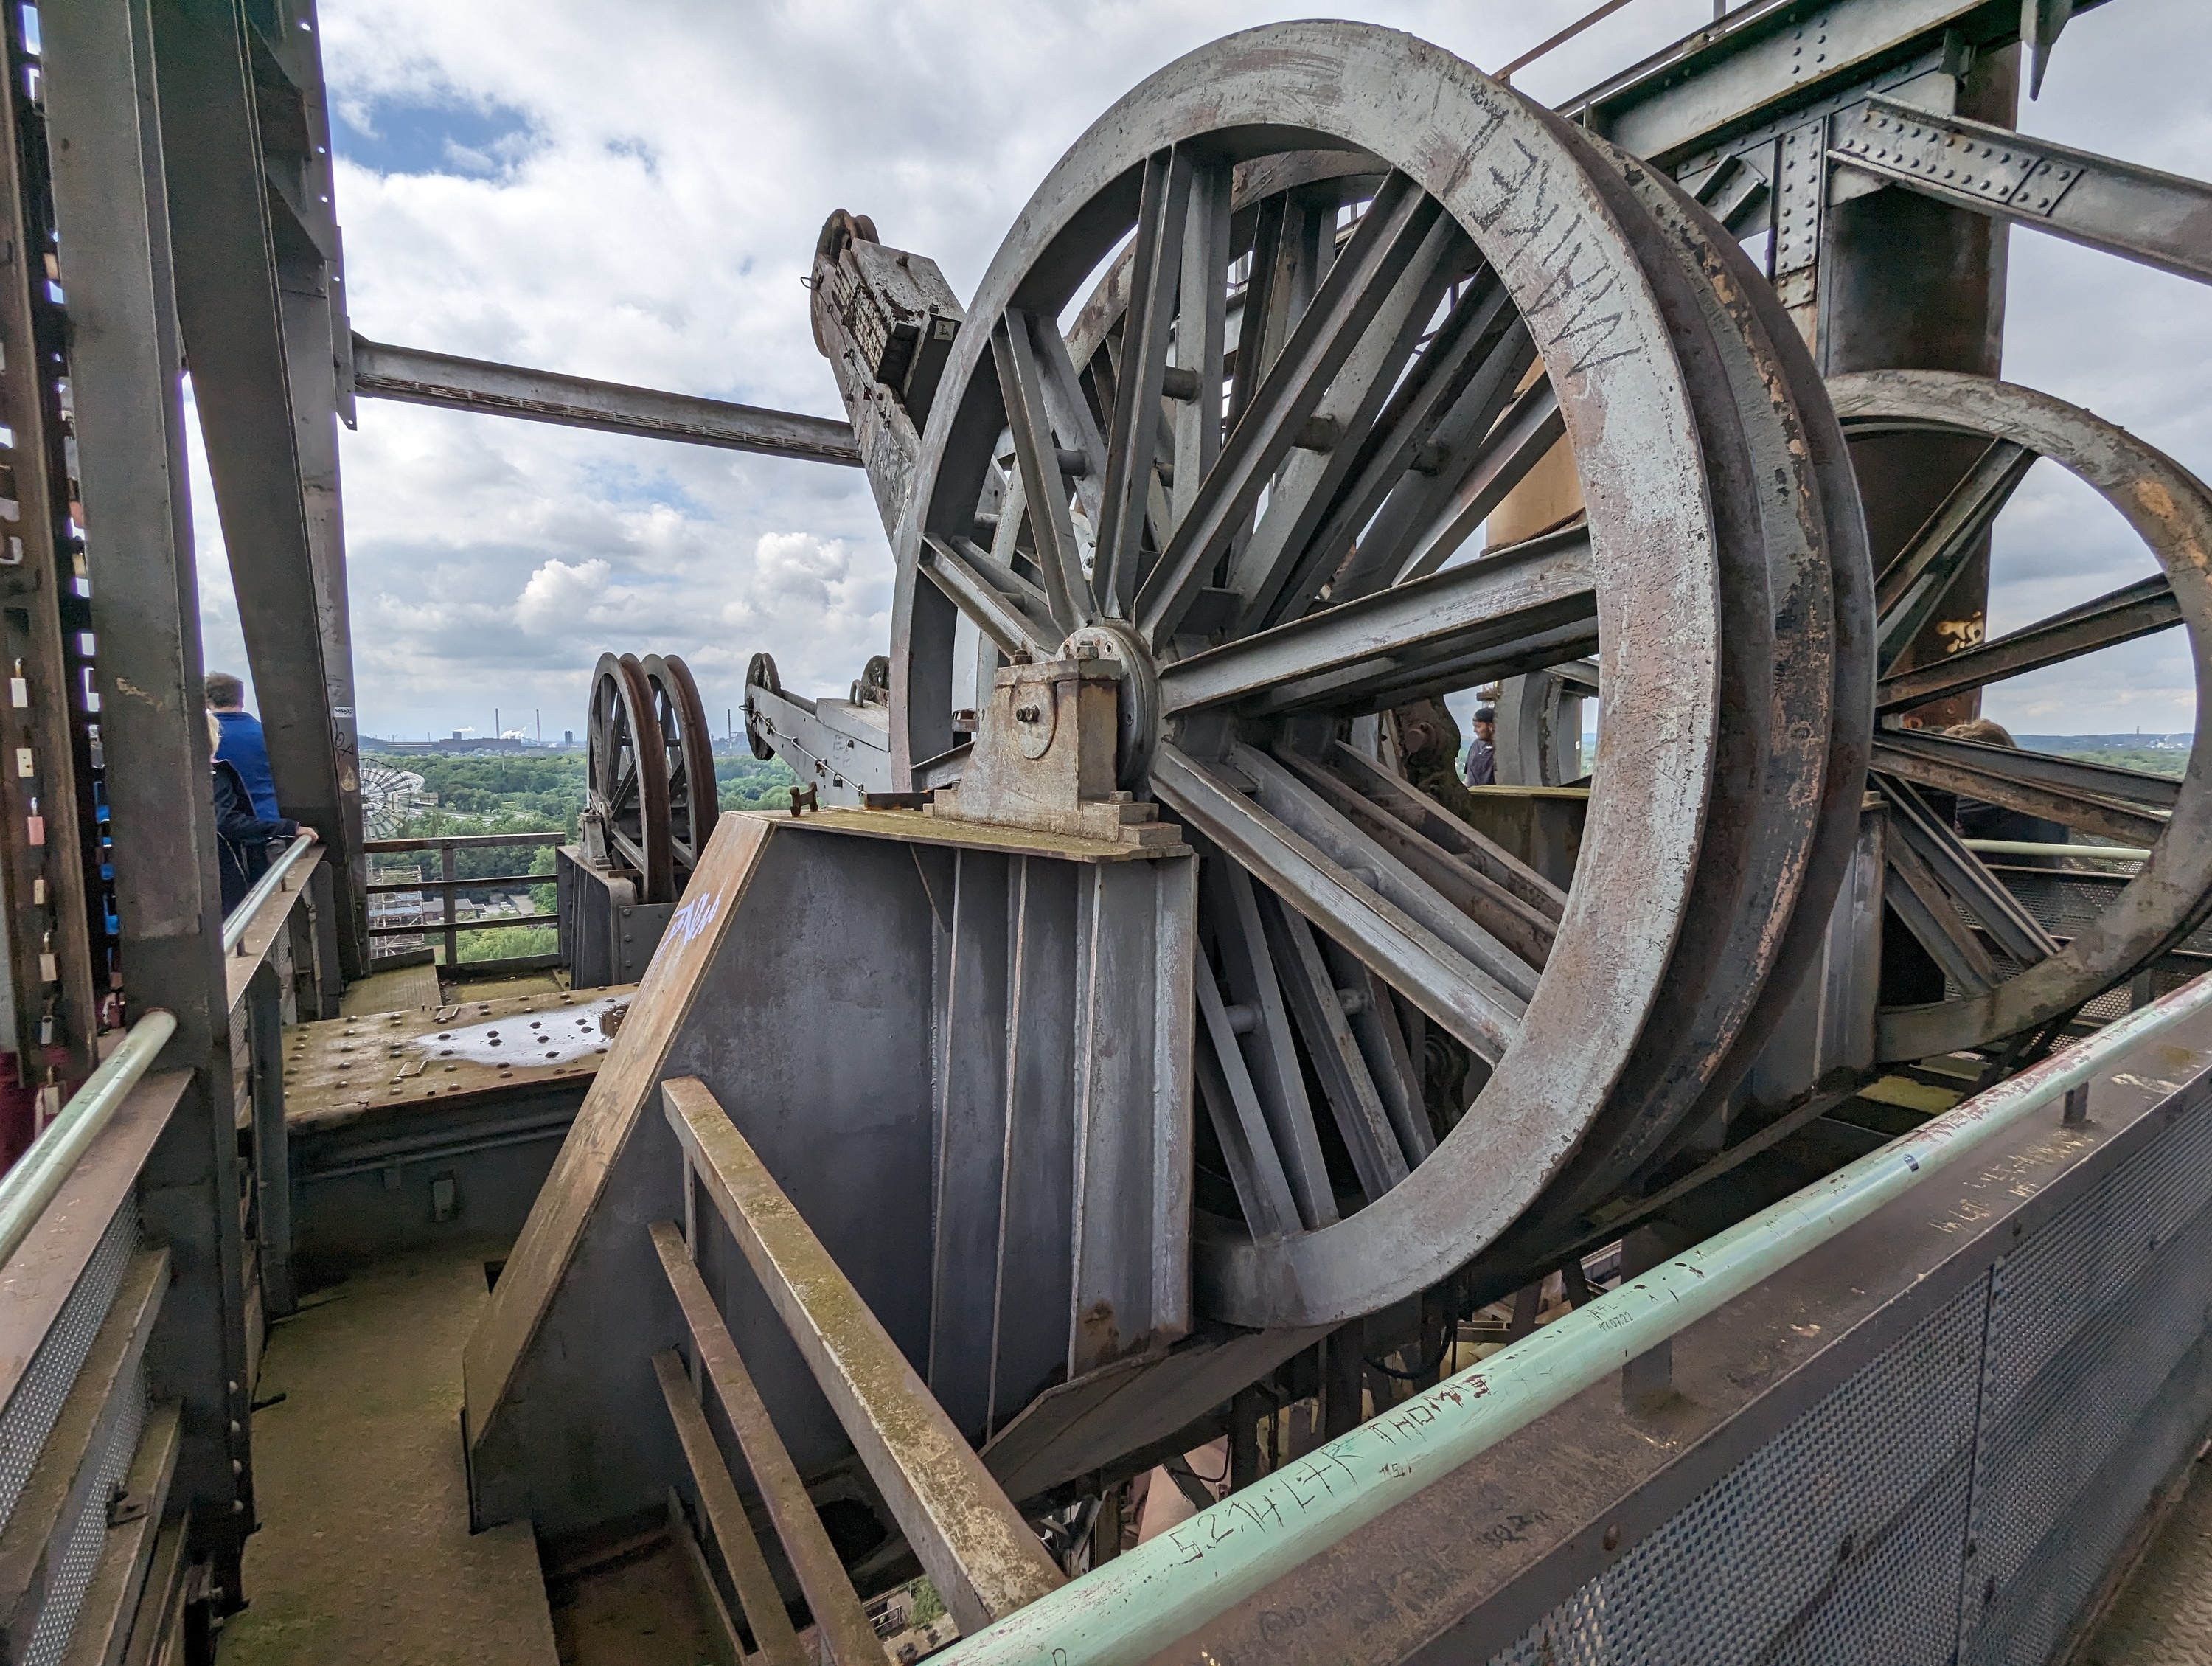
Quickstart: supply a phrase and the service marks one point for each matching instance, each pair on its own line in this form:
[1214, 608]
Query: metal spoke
[2136, 609]
[1266, 302]
[1912, 587]
[1467, 1001]
[1238, 937]
[970, 593]
[1255, 1169]
[1271, 564]
[1345, 1081]
[1421, 811]
[1454, 447]
[1305, 812]
[1961, 875]
[1434, 669]
[1925, 907]
[1021, 384]
[1069, 410]
[1374, 1017]
[1201, 328]
[1132, 447]
[1497, 601]
[1523, 435]
[1020, 589]
[1403, 438]
[1395, 226]
[2112, 804]
[1286, 265]
[1497, 911]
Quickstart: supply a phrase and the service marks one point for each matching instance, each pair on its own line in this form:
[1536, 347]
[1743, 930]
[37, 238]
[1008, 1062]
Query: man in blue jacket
[243, 747]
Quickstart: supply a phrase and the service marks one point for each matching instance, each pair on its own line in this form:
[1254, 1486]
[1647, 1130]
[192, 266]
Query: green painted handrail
[27, 1188]
[1149, 1598]
[2103, 853]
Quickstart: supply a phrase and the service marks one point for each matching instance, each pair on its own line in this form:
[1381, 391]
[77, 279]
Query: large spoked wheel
[1253, 476]
[2009, 969]
[693, 804]
[760, 739]
[627, 785]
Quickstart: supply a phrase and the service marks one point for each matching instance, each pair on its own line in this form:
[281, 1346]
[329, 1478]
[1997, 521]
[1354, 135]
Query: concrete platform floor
[364, 1554]
[2163, 1615]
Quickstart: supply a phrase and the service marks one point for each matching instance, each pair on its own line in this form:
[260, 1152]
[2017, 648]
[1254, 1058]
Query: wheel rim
[693, 805]
[1940, 879]
[1645, 569]
[627, 784]
[760, 674]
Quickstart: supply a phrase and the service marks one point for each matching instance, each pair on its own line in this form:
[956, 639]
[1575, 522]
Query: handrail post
[979, 1552]
[822, 1578]
[272, 1161]
[452, 936]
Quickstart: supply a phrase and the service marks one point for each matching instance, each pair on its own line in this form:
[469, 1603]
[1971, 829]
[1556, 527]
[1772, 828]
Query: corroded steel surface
[1718, 614]
[341, 1070]
[2172, 511]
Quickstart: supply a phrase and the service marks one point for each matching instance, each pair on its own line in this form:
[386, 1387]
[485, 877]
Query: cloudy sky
[634, 193]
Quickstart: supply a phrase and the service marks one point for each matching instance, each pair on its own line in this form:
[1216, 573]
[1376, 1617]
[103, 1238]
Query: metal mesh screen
[1833, 1536]
[1963, 1495]
[86, 1536]
[30, 1412]
[2065, 905]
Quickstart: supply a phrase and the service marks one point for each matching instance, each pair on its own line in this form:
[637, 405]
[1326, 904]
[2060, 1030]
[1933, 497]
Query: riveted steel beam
[2161, 219]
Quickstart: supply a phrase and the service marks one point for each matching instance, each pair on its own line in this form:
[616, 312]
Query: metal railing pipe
[2103, 853]
[1148, 1598]
[27, 1188]
[235, 923]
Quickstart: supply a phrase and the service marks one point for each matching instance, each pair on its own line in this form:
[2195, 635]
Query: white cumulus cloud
[634, 193]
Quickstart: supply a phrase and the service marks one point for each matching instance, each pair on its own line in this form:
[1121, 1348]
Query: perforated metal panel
[1831, 1540]
[1962, 1496]
[31, 1410]
[2066, 905]
[86, 1536]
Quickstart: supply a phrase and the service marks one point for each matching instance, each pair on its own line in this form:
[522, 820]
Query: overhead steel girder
[2161, 219]
[1752, 66]
[415, 376]
[233, 315]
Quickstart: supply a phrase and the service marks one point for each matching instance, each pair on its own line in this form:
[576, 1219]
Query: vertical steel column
[125, 372]
[272, 1156]
[295, 153]
[278, 498]
[1907, 282]
[50, 906]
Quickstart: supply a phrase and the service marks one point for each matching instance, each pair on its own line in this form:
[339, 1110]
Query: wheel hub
[1138, 722]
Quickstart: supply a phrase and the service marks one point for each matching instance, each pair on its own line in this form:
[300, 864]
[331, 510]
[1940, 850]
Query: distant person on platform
[240, 743]
[1481, 751]
[242, 835]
